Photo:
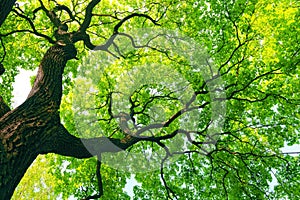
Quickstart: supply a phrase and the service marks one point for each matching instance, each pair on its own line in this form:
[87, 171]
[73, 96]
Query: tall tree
[210, 123]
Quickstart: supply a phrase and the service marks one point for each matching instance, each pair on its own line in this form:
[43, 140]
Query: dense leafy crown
[211, 86]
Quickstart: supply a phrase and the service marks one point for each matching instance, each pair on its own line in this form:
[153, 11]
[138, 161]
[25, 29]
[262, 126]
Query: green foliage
[254, 45]
[37, 182]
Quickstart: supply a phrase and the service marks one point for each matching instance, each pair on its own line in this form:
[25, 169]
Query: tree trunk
[34, 127]
[26, 130]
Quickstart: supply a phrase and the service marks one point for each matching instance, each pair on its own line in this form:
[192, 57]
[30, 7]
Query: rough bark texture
[34, 127]
[25, 130]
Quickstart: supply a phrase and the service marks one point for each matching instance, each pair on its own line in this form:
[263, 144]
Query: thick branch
[51, 15]
[88, 15]
[48, 83]
[6, 6]
[63, 143]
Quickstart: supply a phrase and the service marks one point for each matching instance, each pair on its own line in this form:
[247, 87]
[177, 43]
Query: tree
[250, 70]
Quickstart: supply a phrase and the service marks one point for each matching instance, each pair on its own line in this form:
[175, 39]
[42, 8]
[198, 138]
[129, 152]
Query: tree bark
[34, 127]
[25, 130]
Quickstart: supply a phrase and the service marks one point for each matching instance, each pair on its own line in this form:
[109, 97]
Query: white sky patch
[130, 183]
[274, 181]
[275, 108]
[294, 150]
[22, 87]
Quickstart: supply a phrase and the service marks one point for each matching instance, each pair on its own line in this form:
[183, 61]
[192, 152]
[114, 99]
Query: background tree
[254, 46]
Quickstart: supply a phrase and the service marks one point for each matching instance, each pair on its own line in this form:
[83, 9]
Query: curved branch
[81, 34]
[88, 15]
[116, 28]
[65, 8]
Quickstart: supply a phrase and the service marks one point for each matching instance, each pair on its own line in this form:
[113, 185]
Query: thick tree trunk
[26, 130]
[34, 127]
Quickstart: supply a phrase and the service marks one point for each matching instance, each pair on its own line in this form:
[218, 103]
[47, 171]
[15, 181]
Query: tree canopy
[177, 99]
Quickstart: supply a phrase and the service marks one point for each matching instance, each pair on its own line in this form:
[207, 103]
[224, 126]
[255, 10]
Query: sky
[22, 87]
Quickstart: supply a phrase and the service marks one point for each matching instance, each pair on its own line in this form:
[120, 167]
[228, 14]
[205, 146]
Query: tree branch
[2, 69]
[116, 28]
[6, 7]
[169, 190]
[47, 87]
[81, 33]
[4, 54]
[88, 15]
[65, 8]
[63, 143]
[99, 178]
[34, 31]
[51, 15]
